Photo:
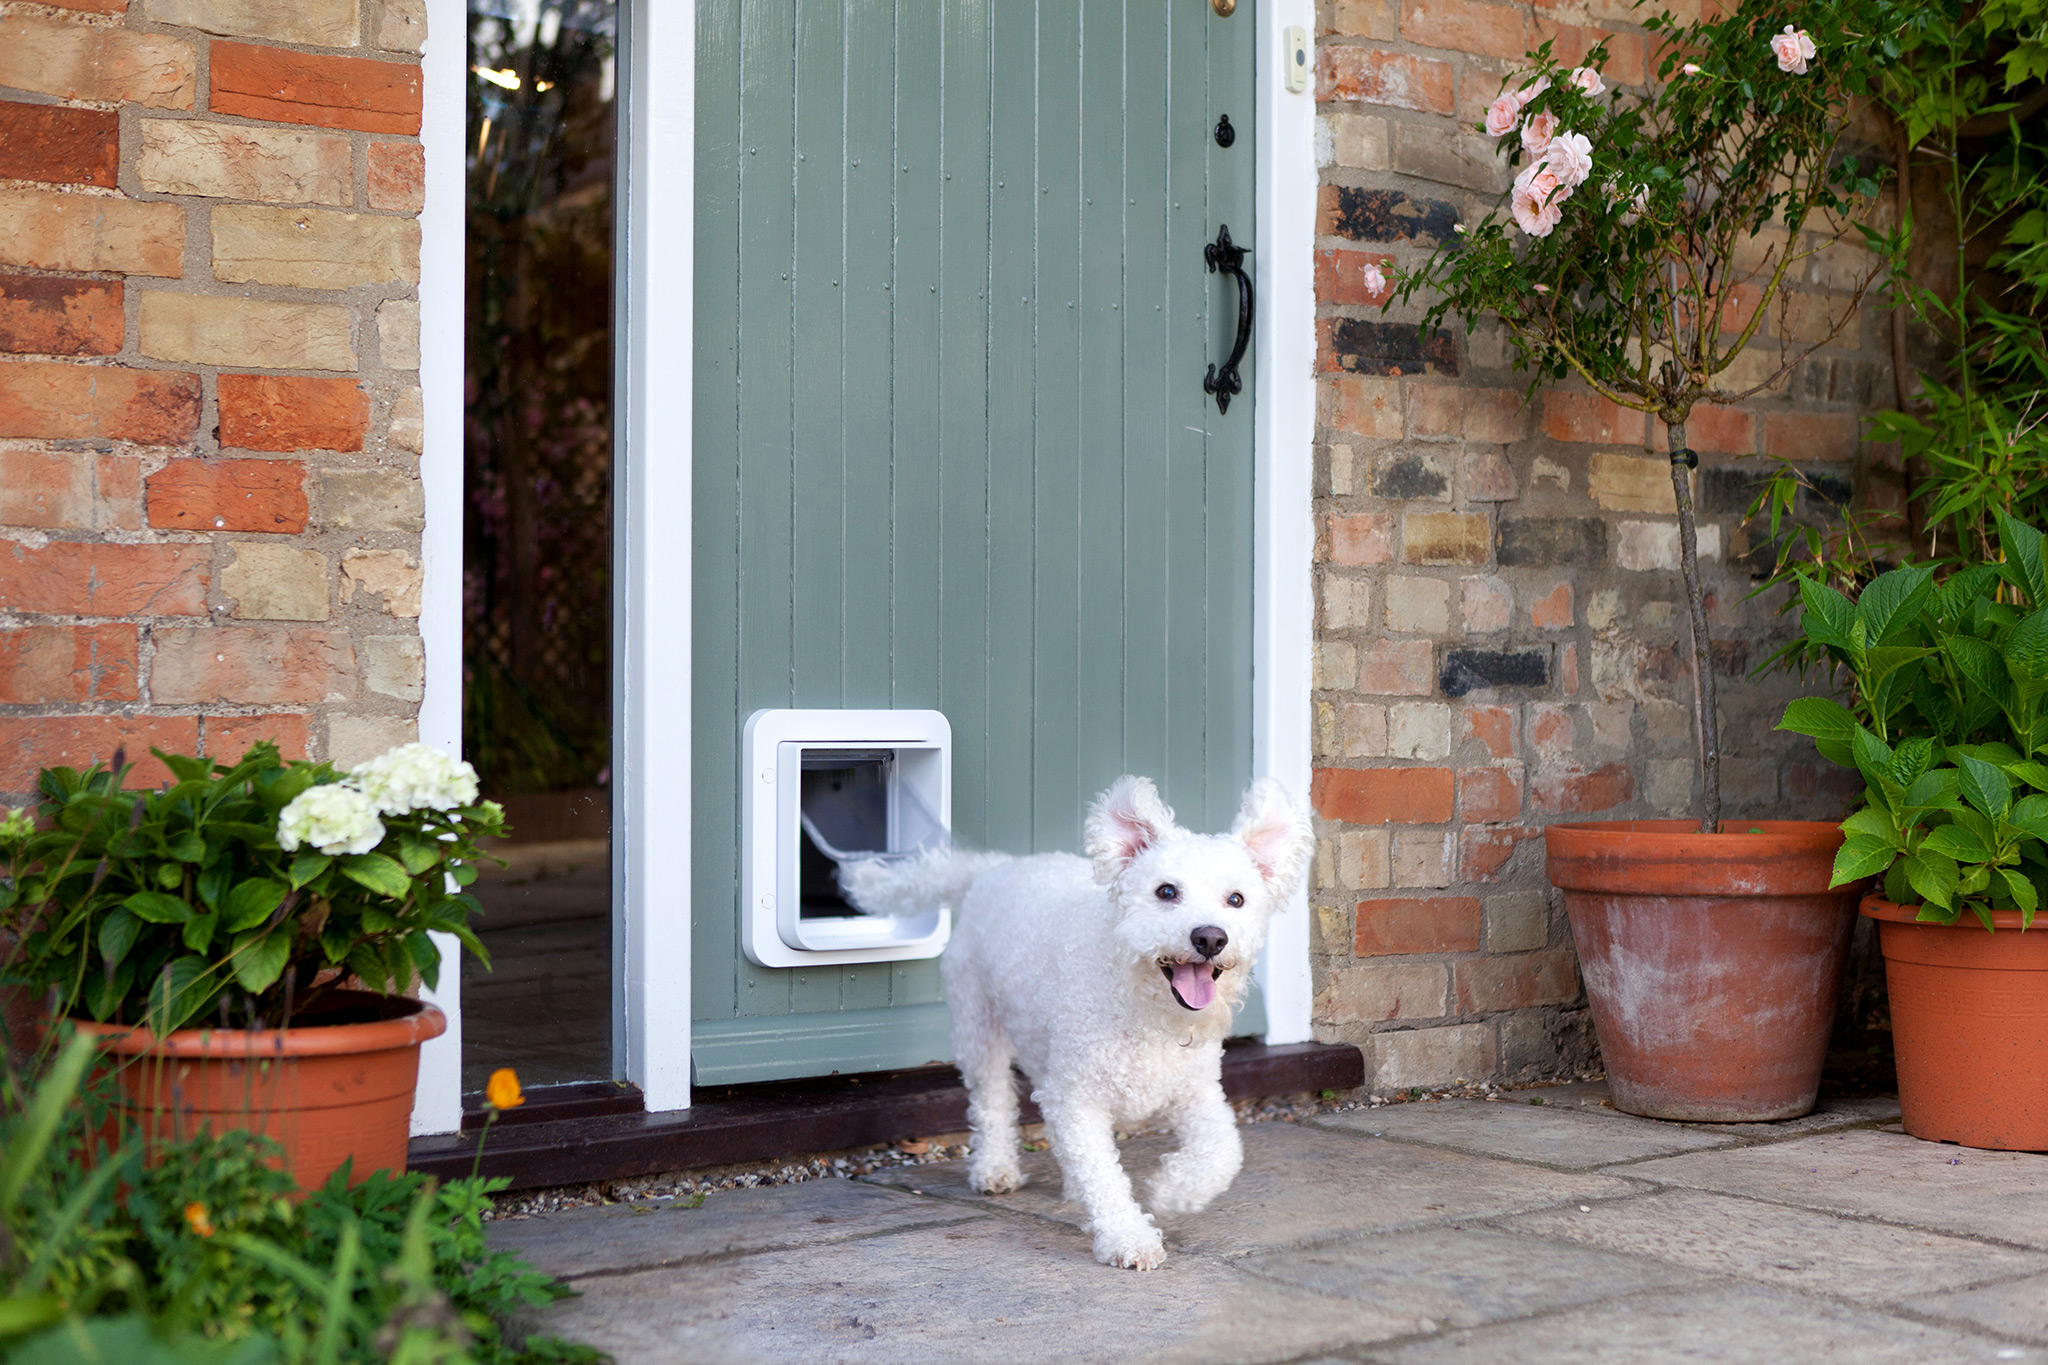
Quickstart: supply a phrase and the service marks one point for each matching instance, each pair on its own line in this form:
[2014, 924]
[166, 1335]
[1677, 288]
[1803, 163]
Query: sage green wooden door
[952, 447]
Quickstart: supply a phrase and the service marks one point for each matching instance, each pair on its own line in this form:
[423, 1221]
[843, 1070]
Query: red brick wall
[209, 407]
[1501, 628]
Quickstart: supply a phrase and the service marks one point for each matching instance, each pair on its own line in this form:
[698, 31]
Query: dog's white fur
[1056, 965]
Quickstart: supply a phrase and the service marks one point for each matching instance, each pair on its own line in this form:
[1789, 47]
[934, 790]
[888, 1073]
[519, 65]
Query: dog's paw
[1139, 1247]
[995, 1178]
[1179, 1196]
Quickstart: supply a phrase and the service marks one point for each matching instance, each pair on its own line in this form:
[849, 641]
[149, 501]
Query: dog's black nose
[1209, 940]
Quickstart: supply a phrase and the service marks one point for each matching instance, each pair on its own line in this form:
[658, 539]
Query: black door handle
[1224, 254]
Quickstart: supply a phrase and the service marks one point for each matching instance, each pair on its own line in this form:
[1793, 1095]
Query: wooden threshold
[579, 1136]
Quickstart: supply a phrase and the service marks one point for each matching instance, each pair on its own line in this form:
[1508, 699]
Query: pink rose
[1375, 281]
[1793, 47]
[1502, 115]
[1569, 157]
[1538, 131]
[1537, 202]
[1691, 68]
[1530, 92]
[1588, 80]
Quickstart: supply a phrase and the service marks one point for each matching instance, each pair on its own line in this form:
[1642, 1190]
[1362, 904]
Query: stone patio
[1542, 1226]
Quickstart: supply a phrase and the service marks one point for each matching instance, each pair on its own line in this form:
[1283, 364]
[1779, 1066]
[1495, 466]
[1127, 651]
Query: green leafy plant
[1649, 233]
[1948, 724]
[247, 891]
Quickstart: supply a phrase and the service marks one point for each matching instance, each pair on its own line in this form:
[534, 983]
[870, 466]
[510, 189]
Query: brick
[1364, 728]
[229, 495]
[1425, 1057]
[250, 665]
[1575, 790]
[290, 412]
[1422, 859]
[1589, 418]
[91, 6]
[251, 333]
[227, 161]
[89, 62]
[1467, 160]
[398, 333]
[1811, 435]
[354, 739]
[1369, 407]
[1612, 724]
[1445, 538]
[1627, 54]
[66, 664]
[1553, 610]
[92, 578]
[1488, 477]
[408, 428]
[1551, 730]
[1398, 668]
[1491, 794]
[1340, 277]
[1482, 30]
[1371, 76]
[1517, 922]
[276, 583]
[390, 575]
[402, 25]
[371, 500]
[1469, 670]
[1418, 605]
[1492, 726]
[1408, 476]
[1449, 411]
[60, 146]
[1384, 990]
[1380, 796]
[1347, 604]
[61, 231]
[398, 176]
[1336, 665]
[229, 737]
[1568, 670]
[1362, 539]
[31, 743]
[1366, 346]
[395, 666]
[1435, 924]
[52, 400]
[1670, 784]
[1364, 858]
[41, 315]
[1383, 216]
[1358, 140]
[313, 23]
[1489, 605]
[1419, 730]
[1484, 850]
[1631, 483]
[73, 489]
[1645, 545]
[1487, 984]
[1365, 19]
[313, 248]
[1543, 541]
[1728, 431]
[333, 92]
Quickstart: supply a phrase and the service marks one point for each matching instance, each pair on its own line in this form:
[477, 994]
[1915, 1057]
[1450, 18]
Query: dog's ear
[1277, 835]
[1125, 821]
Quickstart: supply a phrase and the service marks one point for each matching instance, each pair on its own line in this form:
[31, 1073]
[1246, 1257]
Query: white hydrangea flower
[333, 818]
[415, 777]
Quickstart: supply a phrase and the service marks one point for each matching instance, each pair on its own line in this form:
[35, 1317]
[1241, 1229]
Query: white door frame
[651, 767]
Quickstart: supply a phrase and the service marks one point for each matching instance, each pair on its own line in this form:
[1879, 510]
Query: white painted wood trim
[651, 828]
[1283, 424]
[437, 1103]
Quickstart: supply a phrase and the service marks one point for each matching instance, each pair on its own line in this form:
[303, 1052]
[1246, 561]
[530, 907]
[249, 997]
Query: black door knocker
[1223, 254]
[1225, 134]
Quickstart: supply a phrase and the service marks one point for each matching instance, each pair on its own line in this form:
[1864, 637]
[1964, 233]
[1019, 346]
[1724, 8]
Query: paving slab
[1565, 1137]
[1723, 1325]
[1301, 1186]
[1887, 1176]
[1596, 1097]
[1817, 1253]
[993, 1291]
[639, 1236]
[1465, 1277]
[2016, 1308]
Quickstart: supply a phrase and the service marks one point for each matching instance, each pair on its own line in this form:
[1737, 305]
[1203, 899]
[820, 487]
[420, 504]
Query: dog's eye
[1234, 900]
[1167, 891]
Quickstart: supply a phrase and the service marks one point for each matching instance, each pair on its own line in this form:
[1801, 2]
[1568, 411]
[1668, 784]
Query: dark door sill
[728, 1125]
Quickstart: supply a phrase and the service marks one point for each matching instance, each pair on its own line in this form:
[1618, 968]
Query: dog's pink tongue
[1195, 984]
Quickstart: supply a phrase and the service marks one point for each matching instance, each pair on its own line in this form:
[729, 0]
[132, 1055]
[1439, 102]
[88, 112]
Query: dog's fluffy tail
[910, 886]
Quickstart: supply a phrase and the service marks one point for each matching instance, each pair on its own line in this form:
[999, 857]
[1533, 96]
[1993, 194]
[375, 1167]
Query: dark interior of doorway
[537, 580]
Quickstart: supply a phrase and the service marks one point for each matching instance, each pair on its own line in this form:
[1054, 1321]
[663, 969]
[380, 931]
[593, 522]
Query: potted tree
[1643, 247]
[243, 939]
[1948, 724]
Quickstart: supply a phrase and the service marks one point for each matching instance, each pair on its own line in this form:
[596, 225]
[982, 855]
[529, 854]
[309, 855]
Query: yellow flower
[196, 1219]
[502, 1090]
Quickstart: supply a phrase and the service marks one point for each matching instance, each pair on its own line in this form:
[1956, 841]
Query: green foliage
[160, 907]
[204, 1257]
[1671, 227]
[1947, 722]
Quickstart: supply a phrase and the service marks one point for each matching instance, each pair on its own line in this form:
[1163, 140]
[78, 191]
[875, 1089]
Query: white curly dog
[1112, 987]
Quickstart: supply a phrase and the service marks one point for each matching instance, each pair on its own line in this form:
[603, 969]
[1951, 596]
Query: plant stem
[1702, 660]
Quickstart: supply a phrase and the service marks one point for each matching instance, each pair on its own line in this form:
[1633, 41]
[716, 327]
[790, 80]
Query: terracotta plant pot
[1968, 1009]
[1711, 961]
[323, 1092]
